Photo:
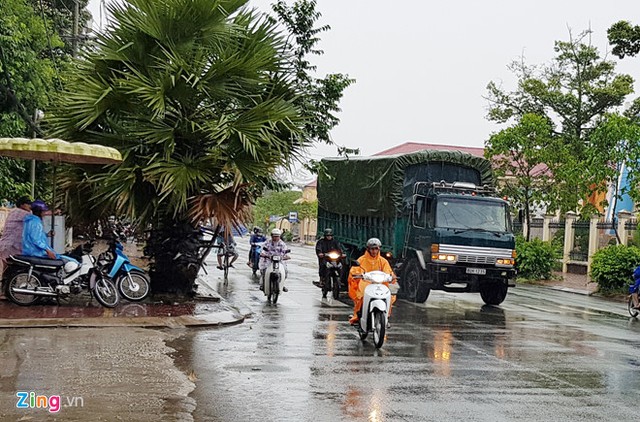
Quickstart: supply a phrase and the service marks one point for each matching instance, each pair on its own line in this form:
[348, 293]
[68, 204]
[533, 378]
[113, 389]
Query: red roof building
[418, 146]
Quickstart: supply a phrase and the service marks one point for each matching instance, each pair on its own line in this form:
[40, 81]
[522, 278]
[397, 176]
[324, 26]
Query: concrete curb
[571, 290]
[218, 319]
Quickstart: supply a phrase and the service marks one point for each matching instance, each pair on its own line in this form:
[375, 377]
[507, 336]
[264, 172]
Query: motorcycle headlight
[276, 258]
[377, 277]
[333, 255]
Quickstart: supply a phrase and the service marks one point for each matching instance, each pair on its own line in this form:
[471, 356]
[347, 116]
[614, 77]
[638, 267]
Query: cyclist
[228, 247]
[634, 288]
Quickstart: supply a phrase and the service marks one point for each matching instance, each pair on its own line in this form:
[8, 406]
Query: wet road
[542, 355]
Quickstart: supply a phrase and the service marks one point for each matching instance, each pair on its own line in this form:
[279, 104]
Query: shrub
[535, 259]
[287, 236]
[612, 267]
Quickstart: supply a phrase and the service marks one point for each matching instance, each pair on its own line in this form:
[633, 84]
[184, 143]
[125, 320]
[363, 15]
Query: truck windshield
[471, 213]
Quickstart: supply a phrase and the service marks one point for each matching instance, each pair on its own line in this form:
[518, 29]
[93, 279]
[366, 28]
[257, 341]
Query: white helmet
[70, 267]
[276, 232]
[373, 242]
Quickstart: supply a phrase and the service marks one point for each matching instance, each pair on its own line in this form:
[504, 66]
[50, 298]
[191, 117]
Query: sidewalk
[567, 282]
[207, 309]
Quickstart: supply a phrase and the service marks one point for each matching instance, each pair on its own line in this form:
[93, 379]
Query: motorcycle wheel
[275, 291]
[106, 293]
[335, 283]
[632, 311]
[134, 286]
[21, 280]
[255, 262]
[326, 287]
[379, 328]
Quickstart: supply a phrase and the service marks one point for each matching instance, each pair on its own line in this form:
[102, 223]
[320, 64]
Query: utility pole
[76, 20]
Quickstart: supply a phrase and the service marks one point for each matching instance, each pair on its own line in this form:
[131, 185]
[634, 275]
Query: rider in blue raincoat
[633, 290]
[34, 239]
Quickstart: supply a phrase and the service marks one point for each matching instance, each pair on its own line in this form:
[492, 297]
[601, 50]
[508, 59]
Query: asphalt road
[542, 355]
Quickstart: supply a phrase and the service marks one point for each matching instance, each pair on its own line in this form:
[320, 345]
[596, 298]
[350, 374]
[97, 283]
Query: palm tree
[200, 99]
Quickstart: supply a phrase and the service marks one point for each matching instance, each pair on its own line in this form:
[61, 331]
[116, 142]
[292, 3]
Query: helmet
[373, 242]
[276, 232]
[39, 205]
[328, 232]
[70, 267]
[256, 229]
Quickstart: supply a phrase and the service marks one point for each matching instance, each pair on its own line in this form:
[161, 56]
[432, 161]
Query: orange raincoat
[357, 286]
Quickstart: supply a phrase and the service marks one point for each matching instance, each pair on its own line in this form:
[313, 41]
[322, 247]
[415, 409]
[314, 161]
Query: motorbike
[274, 275]
[131, 281]
[28, 279]
[375, 306]
[256, 250]
[333, 273]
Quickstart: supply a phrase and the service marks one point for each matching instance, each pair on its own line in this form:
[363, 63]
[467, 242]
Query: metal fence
[586, 237]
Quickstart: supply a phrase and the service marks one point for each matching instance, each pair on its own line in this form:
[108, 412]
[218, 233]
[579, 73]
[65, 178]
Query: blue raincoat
[636, 281]
[34, 239]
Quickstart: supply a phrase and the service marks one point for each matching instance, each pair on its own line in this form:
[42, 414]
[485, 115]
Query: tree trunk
[177, 255]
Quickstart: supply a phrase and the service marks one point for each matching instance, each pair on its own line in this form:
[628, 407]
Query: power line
[53, 58]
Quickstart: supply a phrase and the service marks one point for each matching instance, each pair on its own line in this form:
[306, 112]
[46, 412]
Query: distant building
[408, 147]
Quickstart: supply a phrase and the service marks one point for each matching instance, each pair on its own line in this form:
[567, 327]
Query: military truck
[436, 213]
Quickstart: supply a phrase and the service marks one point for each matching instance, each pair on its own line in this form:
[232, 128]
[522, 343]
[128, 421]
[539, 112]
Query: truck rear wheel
[493, 293]
[411, 287]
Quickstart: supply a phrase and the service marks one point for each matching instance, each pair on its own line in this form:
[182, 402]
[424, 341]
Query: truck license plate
[479, 271]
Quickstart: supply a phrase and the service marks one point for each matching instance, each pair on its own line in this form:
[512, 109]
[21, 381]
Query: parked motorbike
[333, 273]
[274, 275]
[28, 279]
[375, 306]
[132, 282]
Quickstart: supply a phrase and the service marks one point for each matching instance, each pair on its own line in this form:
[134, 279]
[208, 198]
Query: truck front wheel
[493, 293]
[412, 288]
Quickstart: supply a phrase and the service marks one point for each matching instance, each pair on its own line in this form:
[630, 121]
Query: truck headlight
[505, 262]
[444, 258]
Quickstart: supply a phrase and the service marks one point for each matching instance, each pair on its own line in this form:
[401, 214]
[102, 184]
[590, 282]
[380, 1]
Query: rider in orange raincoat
[370, 261]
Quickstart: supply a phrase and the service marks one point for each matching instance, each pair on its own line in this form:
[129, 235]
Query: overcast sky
[422, 67]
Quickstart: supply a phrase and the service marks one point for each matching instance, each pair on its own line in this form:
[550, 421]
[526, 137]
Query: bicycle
[226, 252]
[633, 289]
[225, 264]
[632, 311]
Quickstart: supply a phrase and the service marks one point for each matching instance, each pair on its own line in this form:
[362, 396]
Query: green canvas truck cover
[376, 185]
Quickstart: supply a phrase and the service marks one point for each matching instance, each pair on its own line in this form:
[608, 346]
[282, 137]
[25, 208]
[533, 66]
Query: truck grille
[476, 254]
[469, 259]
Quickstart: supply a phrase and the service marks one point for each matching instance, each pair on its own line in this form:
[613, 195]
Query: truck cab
[460, 240]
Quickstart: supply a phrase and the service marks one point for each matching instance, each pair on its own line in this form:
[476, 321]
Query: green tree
[275, 203]
[28, 78]
[625, 39]
[200, 96]
[319, 97]
[577, 94]
[33, 59]
[27, 72]
[519, 153]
